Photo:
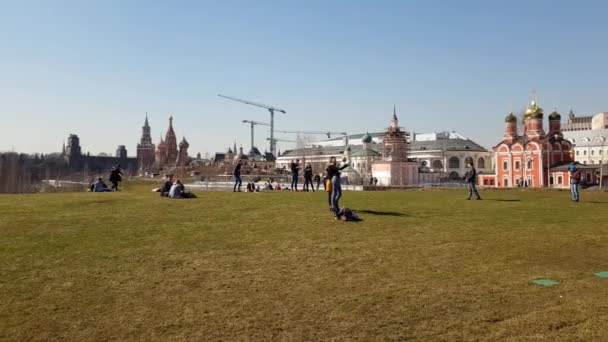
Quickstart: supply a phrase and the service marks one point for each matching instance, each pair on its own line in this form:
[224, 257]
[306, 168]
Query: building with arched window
[449, 153]
[534, 159]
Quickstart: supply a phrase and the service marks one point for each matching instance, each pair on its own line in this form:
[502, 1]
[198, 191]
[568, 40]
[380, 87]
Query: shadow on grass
[379, 213]
[598, 202]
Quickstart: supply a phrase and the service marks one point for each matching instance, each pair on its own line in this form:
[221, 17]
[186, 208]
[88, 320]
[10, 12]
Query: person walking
[575, 180]
[237, 177]
[295, 170]
[115, 177]
[471, 178]
[308, 185]
[333, 173]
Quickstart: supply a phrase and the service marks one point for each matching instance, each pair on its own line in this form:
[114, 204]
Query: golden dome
[534, 111]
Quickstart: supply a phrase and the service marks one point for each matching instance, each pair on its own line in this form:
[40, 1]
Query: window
[517, 165]
[505, 165]
[577, 152]
[551, 180]
[559, 179]
[468, 161]
[437, 164]
[529, 165]
[454, 163]
[585, 152]
[506, 181]
[600, 152]
[481, 163]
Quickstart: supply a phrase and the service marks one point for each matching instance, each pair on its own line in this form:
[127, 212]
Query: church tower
[533, 122]
[145, 148]
[171, 142]
[510, 129]
[182, 157]
[395, 143]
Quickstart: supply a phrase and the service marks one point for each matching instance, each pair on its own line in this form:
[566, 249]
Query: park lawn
[423, 265]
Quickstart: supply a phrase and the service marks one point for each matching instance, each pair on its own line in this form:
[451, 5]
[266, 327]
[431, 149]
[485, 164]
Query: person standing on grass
[308, 178]
[333, 173]
[237, 177]
[317, 181]
[115, 177]
[471, 178]
[295, 170]
[575, 180]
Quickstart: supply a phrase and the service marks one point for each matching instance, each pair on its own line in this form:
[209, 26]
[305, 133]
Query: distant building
[168, 153]
[534, 159]
[77, 161]
[590, 141]
[145, 149]
[443, 152]
[395, 168]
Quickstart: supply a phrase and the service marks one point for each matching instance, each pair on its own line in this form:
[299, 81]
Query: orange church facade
[534, 159]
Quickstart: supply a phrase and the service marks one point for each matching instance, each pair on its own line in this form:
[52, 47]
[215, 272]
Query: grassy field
[423, 265]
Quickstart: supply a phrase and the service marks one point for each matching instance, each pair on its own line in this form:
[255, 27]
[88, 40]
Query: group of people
[174, 189]
[115, 178]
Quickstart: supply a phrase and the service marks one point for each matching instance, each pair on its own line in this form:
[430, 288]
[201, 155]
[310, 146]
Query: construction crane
[297, 142]
[329, 134]
[283, 140]
[270, 109]
[254, 123]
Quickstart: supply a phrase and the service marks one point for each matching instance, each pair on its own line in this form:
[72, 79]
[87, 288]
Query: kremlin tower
[145, 148]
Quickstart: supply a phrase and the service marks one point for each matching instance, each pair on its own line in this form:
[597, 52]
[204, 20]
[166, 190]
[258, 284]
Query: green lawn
[423, 265]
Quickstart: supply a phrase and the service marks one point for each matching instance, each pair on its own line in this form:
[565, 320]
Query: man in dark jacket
[471, 178]
[166, 187]
[295, 171]
[308, 178]
[115, 177]
[237, 177]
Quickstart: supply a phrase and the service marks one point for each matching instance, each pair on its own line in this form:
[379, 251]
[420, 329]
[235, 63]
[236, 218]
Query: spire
[146, 123]
[234, 148]
[63, 149]
[395, 112]
[170, 121]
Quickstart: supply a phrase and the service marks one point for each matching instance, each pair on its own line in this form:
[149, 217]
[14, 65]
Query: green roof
[366, 153]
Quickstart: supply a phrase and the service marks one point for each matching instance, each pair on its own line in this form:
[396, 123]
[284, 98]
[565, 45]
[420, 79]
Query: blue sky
[95, 68]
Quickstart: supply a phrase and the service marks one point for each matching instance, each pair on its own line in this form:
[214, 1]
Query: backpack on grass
[346, 214]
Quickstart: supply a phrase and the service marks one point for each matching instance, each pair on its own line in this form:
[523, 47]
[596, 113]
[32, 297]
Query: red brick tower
[145, 148]
[533, 122]
[171, 143]
[510, 129]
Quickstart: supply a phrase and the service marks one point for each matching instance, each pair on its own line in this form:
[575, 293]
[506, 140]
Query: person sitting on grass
[99, 186]
[166, 187]
[177, 189]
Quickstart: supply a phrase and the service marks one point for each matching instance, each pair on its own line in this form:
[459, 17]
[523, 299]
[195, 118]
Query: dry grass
[423, 265]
